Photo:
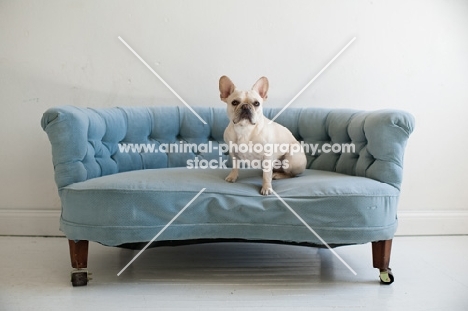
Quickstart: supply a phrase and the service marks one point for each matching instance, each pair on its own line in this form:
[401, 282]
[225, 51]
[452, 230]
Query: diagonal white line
[315, 233]
[161, 79]
[313, 79]
[160, 232]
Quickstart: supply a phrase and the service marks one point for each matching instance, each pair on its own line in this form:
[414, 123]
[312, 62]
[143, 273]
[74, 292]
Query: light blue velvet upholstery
[113, 197]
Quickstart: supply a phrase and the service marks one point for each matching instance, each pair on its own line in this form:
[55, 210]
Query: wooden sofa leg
[79, 262]
[381, 252]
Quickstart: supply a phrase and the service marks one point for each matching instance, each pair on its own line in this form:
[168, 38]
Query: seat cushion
[134, 206]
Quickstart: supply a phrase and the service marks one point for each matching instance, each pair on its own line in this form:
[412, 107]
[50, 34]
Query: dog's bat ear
[226, 87]
[261, 87]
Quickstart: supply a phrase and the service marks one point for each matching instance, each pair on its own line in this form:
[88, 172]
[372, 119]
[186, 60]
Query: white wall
[410, 55]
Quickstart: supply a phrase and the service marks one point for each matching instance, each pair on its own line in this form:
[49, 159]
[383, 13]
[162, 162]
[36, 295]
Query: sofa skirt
[132, 207]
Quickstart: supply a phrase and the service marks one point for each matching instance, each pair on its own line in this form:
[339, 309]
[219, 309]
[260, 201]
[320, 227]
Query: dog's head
[244, 107]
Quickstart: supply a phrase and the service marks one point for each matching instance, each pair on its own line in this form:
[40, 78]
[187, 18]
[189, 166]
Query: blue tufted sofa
[124, 198]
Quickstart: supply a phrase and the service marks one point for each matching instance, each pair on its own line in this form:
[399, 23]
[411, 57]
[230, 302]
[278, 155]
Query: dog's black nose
[245, 107]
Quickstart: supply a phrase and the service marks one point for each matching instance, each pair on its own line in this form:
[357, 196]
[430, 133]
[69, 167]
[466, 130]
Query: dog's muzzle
[244, 112]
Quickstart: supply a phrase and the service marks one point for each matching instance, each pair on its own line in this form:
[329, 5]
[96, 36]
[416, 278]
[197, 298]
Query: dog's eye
[256, 104]
[235, 102]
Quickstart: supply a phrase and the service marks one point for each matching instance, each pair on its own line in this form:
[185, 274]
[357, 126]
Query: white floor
[431, 273]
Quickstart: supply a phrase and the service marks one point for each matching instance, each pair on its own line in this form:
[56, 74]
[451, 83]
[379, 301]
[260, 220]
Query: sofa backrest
[89, 143]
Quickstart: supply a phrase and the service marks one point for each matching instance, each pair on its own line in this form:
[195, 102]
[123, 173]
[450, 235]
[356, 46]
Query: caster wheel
[386, 277]
[79, 277]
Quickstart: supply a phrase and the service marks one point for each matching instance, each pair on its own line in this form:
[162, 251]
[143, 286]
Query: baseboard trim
[46, 222]
[30, 222]
[432, 223]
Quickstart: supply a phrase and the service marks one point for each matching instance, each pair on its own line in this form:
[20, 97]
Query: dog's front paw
[266, 190]
[231, 178]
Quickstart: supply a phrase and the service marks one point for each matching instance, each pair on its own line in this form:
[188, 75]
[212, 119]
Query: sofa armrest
[67, 128]
[387, 133]
[378, 137]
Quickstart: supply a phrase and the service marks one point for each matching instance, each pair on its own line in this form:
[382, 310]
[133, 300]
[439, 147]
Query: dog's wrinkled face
[243, 107]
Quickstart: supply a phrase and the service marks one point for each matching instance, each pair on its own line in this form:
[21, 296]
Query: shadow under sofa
[119, 196]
